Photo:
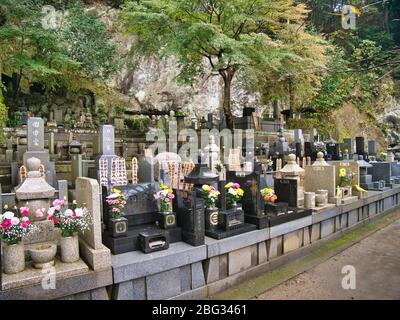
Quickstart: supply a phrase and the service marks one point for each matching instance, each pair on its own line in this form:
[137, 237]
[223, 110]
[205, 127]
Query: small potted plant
[70, 222]
[117, 223]
[211, 195]
[13, 228]
[166, 218]
[234, 193]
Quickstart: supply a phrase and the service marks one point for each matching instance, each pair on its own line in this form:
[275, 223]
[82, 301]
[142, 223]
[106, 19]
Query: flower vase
[69, 249]
[167, 220]
[118, 227]
[211, 219]
[13, 258]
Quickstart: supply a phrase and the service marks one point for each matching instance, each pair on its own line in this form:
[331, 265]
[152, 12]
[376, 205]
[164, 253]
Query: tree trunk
[227, 99]
[291, 98]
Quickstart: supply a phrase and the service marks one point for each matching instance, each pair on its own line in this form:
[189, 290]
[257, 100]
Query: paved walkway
[376, 260]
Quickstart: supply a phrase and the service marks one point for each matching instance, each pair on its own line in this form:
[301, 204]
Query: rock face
[391, 118]
[149, 84]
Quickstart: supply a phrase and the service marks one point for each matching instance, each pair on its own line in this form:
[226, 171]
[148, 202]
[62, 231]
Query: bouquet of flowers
[344, 177]
[234, 192]
[15, 226]
[269, 195]
[270, 164]
[319, 146]
[67, 220]
[164, 196]
[116, 202]
[210, 195]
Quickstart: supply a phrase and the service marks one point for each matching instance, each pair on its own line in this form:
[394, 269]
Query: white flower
[68, 213]
[113, 196]
[50, 212]
[24, 219]
[79, 212]
[8, 215]
[232, 191]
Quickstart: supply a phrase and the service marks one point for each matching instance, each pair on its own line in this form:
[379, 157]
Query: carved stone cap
[35, 185]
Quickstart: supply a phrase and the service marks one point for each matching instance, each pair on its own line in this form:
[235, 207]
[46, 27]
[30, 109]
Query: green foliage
[90, 47]
[140, 124]
[3, 115]
[64, 56]
[236, 37]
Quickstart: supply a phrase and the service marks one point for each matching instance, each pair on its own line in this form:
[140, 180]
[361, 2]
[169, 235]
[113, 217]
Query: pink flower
[24, 211]
[236, 186]
[24, 225]
[15, 221]
[24, 219]
[38, 213]
[115, 210]
[58, 203]
[57, 207]
[68, 213]
[171, 196]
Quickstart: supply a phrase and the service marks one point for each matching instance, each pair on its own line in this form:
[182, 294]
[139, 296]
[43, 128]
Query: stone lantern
[35, 193]
[320, 160]
[294, 172]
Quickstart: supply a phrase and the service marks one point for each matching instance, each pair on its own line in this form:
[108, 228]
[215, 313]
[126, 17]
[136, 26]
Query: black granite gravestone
[286, 191]
[360, 146]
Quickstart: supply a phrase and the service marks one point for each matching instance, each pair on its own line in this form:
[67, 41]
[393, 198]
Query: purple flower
[249, 183]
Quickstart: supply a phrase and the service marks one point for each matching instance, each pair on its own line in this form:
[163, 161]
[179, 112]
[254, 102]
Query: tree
[66, 56]
[236, 38]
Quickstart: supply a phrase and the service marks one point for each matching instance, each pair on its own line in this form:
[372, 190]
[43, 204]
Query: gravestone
[106, 156]
[350, 166]
[320, 177]
[381, 171]
[35, 134]
[360, 146]
[372, 148]
[282, 146]
[348, 145]
[286, 191]
[36, 149]
[332, 149]
[91, 247]
[107, 140]
[298, 135]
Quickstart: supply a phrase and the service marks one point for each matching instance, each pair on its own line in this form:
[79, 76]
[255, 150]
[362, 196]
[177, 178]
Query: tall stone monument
[36, 149]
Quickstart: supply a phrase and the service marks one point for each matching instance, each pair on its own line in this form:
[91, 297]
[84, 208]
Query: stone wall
[185, 272]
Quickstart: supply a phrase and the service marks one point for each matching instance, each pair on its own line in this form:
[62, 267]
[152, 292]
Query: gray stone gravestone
[107, 140]
[36, 149]
[372, 147]
[320, 177]
[35, 134]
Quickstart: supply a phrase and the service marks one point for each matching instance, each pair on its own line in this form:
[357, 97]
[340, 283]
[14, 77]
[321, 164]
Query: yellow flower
[206, 188]
[227, 186]
[117, 191]
[163, 187]
[240, 192]
[6, 206]
[342, 172]
[170, 191]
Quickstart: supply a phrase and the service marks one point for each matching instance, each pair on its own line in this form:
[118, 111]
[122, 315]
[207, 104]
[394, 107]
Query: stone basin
[43, 255]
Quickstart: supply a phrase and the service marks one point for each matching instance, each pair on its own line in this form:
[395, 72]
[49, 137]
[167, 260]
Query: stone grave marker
[320, 177]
